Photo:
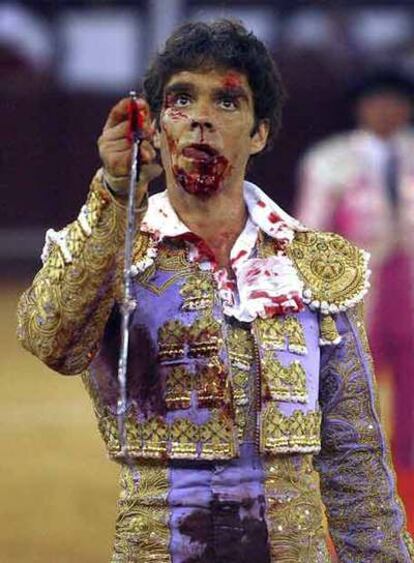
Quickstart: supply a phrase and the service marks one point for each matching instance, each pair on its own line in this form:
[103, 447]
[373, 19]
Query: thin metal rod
[128, 303]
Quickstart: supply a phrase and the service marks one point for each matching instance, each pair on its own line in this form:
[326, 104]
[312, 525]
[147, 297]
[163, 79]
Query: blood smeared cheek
[169, 147]
[176, 115]
[171, 111]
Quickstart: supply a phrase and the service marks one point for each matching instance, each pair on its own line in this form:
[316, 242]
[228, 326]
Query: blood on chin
[205, 179]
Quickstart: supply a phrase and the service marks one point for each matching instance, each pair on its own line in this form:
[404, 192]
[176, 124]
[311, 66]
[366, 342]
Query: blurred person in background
[361, 184]
[239, 333]
[26, 48]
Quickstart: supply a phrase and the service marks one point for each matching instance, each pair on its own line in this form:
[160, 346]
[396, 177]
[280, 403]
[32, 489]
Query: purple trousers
[240, 511]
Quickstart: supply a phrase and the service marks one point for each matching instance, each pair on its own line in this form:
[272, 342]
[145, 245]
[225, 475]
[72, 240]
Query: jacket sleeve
[62, 316]
[365, 516]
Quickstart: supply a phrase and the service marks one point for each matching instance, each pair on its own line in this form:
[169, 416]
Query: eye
[228, 103]
[178, 100]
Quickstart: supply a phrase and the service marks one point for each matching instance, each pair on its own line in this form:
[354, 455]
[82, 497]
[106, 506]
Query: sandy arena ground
[58, 489]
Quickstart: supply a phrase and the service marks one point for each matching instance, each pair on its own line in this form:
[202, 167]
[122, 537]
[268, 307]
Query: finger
[119, 163]
[118, 113]
[149, 172]
[147, 151]
[117, 132]
[116, 145]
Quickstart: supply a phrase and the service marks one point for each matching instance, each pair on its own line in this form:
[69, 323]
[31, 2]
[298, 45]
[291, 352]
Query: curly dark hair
[224, 44]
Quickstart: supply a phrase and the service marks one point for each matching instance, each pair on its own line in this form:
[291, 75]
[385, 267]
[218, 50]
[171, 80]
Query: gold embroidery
[168, 259]
[332, 268]
[108, 427]
[204, 337]
[172, 337]
[284, 383]
[133, 432]
[357, 315]
[62, 316]
[212, 384]
[298, 432]
[329, 332]
[178, 385]
[154, 438]
[409, 542]
[142, 531]
[354, 461]
[271, 333]
[295, 335]
[184, 438]
[268, 247]
[145, 278]
[275, 332]
[141, 245]
[240, 347]
[294, 510]
[240, 386]
[218, 436]
[197, 292]
[241, 420]
[172, 257]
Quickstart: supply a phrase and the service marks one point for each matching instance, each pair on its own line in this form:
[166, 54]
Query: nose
[202, 123]
[201, 118]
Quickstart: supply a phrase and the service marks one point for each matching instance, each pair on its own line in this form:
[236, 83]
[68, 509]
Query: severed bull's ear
[156, 140]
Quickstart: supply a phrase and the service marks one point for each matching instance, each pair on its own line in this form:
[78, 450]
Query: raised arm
[366, 518]
[61, 317]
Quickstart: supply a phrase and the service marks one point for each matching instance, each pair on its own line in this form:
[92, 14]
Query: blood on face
[205, 178]
[232, 80]
[174, 113]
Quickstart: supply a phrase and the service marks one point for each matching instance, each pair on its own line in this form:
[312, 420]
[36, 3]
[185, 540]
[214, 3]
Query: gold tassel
[329, 332]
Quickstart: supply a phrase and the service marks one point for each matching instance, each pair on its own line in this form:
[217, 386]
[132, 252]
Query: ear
[259, 138]
[156, 139]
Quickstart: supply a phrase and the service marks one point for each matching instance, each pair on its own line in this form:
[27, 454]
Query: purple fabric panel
[310, 362]
[154, 309]
[217, 511]
[144, 377]
[358, 489]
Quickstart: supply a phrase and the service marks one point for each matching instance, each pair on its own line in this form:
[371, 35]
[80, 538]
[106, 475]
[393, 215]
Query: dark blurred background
[62, 66]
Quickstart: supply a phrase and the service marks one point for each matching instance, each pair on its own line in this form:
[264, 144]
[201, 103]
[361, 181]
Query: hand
[115, 150]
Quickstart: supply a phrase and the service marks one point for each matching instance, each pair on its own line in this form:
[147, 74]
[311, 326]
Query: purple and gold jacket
[286, 364]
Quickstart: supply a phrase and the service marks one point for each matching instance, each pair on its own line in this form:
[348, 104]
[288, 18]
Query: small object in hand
[135, 119]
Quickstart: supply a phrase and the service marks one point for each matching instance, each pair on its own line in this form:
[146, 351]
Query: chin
[202, 186]
[205, 180]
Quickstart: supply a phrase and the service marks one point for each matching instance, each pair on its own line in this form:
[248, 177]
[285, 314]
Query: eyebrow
[232, 91]
[177, 87]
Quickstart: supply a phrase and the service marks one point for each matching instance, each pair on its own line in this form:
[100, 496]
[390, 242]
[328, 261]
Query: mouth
[200, 151]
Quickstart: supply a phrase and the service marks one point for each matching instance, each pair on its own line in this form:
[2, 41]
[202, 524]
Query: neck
[218, 219]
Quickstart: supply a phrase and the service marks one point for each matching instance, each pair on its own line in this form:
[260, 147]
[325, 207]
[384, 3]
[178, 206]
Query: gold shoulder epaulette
[334, 272]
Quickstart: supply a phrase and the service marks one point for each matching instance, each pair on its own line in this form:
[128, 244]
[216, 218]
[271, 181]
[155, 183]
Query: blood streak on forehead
[232, 80]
